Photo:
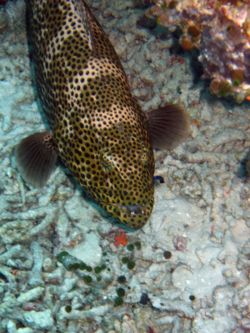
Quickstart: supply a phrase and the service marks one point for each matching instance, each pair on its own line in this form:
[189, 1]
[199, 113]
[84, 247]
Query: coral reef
[220, 30]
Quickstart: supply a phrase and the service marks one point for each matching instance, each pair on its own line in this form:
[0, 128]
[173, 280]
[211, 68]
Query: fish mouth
[134, 209]
[134, 215]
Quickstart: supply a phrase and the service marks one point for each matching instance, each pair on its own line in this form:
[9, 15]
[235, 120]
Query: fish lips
[134, 215]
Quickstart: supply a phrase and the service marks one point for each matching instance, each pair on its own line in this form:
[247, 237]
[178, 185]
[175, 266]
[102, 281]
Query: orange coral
[220, 31]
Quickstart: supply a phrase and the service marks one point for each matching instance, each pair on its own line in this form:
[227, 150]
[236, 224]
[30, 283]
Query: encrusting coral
[220, 30]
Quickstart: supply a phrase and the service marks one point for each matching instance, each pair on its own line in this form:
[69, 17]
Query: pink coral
[220, 30]
[180, 243]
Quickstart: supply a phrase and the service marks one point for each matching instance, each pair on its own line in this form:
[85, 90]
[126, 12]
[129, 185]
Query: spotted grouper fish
[96, 128]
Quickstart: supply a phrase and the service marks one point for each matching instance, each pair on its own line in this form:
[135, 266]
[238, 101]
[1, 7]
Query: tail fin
[168, 126]
[36, 158]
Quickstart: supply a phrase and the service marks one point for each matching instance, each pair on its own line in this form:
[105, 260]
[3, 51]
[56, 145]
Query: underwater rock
[89, 251]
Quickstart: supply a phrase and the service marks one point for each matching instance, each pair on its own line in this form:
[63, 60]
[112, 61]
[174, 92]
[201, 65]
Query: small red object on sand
[120, 238]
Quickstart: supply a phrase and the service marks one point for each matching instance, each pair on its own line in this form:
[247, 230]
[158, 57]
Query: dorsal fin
[36, 158]
[84, 14]
[168, 126]
[99, 42]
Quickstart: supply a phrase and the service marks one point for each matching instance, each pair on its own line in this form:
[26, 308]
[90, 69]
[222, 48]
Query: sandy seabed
[187, 270]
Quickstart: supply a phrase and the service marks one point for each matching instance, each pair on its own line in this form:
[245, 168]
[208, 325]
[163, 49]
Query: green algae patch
[121, 279]
[68, 308]
[118, 301]
[119, 298]
[87, 279]
[120, 292]
[99, 269]
[138, 245]
[131, 264]
[71, 263]
[130, 247]
[125, 260]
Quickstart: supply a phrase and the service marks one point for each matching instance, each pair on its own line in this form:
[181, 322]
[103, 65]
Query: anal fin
[36, 158]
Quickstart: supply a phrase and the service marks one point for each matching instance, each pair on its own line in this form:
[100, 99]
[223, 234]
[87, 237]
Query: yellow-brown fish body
[99, 131]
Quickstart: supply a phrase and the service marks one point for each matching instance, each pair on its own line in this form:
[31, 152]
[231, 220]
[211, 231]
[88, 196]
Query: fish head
[127, 188]
[118, 175]
[133, 215]
[128, 193]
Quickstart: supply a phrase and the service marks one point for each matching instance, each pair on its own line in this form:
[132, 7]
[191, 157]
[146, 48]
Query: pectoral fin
[168, 126]
[36, 158]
